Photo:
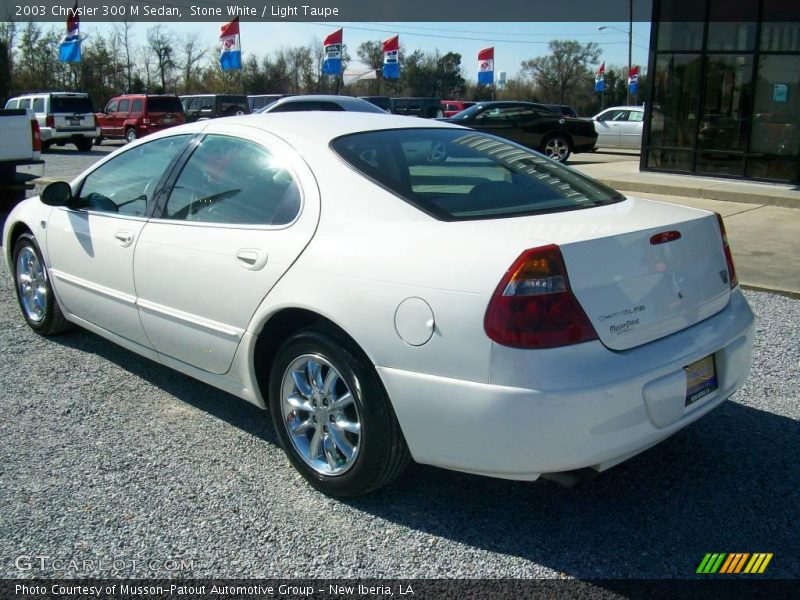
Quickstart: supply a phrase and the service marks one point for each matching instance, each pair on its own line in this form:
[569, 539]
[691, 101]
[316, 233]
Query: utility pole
[630, 51]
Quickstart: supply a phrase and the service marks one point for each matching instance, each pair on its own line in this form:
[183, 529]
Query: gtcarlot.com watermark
[44, 565]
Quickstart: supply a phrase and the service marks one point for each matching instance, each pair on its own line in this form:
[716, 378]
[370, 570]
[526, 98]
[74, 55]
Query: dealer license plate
[74, 121]
[701, 379]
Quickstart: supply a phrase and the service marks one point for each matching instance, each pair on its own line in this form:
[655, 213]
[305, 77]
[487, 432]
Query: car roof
[622, 108]
[312, 128]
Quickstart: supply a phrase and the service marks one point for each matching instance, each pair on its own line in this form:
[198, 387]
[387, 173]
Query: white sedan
[620, 127]
[492, 312]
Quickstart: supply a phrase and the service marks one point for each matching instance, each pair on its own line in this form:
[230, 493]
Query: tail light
[534, 307]
[50, 121]
[734, 281]
[36, 136]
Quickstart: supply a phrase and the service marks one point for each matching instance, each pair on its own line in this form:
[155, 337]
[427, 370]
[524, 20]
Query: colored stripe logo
[734, 562]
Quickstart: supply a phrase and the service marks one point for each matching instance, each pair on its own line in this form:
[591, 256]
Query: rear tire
[83, 145]
[333, 416]
[34, 292]
[557, 147]
[130, 135]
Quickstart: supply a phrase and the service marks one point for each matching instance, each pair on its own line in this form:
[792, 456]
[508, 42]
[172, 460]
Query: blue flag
[70, 48]
[332, 64]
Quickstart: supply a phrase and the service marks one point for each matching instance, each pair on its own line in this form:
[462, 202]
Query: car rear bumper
[550, 411]
[49, 134]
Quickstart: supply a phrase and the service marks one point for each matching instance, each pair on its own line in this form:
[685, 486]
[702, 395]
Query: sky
[513, 42]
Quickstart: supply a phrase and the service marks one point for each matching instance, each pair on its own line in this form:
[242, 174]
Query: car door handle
[252, 259]
[124, 238]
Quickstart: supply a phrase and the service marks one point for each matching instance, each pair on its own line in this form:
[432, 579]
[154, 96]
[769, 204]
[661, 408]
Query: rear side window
[233, 181]
[70, 104]
[164, 105]
[456, 175]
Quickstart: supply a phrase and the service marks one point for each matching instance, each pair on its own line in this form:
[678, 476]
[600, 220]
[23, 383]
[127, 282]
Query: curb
[795, 294]
[705, 193]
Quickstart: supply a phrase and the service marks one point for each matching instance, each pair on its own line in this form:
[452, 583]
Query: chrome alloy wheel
[320, 415]
[32, 284]
[556, 148]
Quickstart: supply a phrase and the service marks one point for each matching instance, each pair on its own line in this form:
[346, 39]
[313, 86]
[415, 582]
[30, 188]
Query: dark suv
[132, 116]
[429, 108]
[211, 106]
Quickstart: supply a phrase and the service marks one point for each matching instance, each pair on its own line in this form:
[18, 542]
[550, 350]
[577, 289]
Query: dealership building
[724, 84]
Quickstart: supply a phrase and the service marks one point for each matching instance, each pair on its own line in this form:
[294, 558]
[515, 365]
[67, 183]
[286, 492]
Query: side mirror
[58, 193]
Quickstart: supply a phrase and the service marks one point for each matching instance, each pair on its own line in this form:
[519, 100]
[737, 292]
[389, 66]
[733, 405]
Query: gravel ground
[106, 456]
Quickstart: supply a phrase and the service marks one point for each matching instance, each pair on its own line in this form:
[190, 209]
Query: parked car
[210, 106]
[132, 116]
[63, 117]
[258, 101]
[321, 102]
[453, 107]
[428, 108]
[531, 125]
[562, 109]
[20, 145]
[619, 127]
[497, 313]
[383, 102]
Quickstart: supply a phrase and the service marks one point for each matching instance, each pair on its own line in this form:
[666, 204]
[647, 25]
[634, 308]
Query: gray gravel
[105, 456]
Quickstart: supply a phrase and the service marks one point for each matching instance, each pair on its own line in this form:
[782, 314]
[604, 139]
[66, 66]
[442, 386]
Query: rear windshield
[71, 104]
[233, 105]
[164, 104]
[456, 175]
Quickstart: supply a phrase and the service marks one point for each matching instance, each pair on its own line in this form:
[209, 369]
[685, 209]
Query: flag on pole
[633, 81]
[486, 66]
[70, 48]
[231, 55]
[332, 64]
[600, 79]
[391, 63]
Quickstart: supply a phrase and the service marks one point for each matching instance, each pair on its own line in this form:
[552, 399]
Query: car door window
[228, 180]
[136, 107]
[613, 115]
[38, 105]
[124, 106]
[127, 183]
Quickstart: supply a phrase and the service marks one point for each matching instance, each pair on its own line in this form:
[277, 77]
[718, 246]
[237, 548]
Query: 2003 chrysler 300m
[395, 289]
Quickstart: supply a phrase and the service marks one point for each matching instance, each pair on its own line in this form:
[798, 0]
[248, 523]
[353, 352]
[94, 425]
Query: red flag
[634, 72]
[601, 71]
[486, 54]
[334, 38]
[392, 44]
[229, 29]
[73, 21]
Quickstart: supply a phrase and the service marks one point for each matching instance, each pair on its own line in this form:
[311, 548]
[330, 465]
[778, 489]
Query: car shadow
[728, 483]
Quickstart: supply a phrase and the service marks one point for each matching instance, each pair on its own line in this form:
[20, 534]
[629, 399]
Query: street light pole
[630, 48]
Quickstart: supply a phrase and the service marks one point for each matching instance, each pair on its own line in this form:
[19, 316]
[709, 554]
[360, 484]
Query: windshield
[456, 174]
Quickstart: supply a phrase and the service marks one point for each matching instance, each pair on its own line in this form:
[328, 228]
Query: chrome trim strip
[216, 326]
[93, 287]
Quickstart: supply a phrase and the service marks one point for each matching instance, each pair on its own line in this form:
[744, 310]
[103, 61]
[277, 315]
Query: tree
[191, 55]
[123, 31]
[564, 74]
[162, 44]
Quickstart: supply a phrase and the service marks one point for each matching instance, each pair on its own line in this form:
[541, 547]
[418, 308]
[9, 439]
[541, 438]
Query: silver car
[619, 127]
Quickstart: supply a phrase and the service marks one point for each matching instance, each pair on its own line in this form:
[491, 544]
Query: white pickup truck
[20, 144]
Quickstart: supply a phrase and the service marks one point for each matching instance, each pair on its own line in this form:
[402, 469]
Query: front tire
[34, 292]
[557, 147]
[333, 417]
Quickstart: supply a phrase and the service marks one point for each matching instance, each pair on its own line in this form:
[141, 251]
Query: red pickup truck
[132, 116]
